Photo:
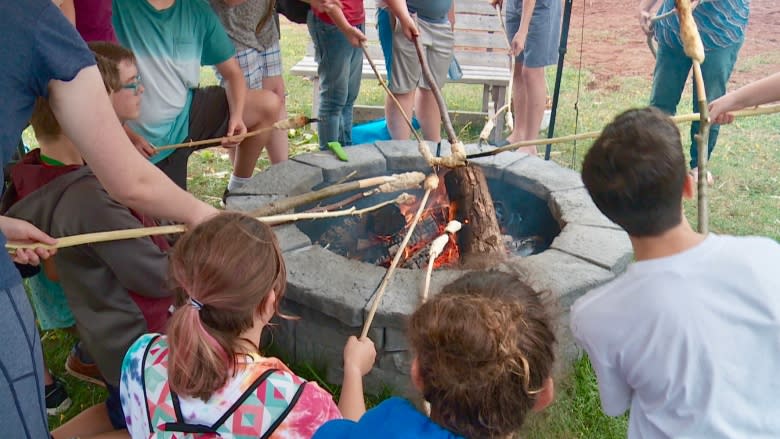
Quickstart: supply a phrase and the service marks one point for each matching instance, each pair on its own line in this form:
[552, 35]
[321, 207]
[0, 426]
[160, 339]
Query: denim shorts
[544, 32]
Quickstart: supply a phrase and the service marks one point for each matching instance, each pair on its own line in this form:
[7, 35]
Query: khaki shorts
[437, 39]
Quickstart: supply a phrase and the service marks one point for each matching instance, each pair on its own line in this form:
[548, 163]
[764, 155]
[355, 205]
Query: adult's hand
[518, 42]
[409, 27]
[493, 3]
[646, 22]
[21, 231]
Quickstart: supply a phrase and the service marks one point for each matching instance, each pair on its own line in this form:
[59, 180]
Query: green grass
[744, 201]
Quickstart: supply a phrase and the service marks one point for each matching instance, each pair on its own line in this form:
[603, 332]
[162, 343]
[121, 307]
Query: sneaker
[57, 400]
[84, 370]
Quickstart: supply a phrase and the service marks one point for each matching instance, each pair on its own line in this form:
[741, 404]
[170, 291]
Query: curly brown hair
[484, 347]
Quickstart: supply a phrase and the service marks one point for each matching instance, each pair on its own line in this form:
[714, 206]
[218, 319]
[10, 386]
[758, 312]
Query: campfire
[376, 236]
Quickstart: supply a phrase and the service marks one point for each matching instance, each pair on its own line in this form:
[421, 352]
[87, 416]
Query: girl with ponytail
[207, 377]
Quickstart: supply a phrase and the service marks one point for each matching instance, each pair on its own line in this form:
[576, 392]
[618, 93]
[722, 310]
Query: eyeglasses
[134, 85]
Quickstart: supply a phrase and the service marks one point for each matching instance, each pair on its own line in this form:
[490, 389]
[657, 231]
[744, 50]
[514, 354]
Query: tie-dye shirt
[148, 396]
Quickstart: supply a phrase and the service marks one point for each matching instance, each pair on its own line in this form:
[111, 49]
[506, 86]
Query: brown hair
[114, 54]
[43, 121]
[225, 267]
[484, 347]
[635, 172]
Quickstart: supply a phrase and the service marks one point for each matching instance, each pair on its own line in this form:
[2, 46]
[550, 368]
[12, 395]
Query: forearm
[760, 92]
[352, 404]
[337, 15]
[128, 177]
[525, 19]
[235, 89]
[397, 7]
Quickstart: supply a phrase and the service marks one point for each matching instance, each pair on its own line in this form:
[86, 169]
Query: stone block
[493, 166]
[402, 155]
[289, 178]
[540, 177]
[378, 381]
[320, 339]
[402, 296]
[248, 203]
[567, 277]
[291, 238]
[366, 160]
[607, 248]
[399, 362]
[574, 206]
[395, 340]
[332, 284]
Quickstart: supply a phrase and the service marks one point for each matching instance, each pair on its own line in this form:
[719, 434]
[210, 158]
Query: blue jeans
[671, 73]
[385, 32]
[339, 67]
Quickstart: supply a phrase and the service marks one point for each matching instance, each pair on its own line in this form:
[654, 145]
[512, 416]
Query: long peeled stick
[141, 232]
[285, 124]
[431, 183]
[682, 118]
[458, 157]
[694, 48]
[392, 183]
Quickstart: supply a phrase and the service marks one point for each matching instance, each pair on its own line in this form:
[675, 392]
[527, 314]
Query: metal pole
[559, 74]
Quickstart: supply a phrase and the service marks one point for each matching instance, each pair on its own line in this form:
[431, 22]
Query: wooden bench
[480, 48]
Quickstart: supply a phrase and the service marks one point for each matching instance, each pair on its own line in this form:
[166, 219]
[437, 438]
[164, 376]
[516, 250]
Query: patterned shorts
[257, 65]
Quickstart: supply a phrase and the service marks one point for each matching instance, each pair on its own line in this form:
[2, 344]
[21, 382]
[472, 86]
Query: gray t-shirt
[433, 11]
[241, 21]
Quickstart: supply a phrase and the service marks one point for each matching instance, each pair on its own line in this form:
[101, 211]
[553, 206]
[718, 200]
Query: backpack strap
[284, 414]
[182, 427]
[143, 381]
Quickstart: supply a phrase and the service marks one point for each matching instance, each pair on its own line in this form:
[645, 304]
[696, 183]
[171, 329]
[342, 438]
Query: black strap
[247, 393]
[143, 381]
[284, 414]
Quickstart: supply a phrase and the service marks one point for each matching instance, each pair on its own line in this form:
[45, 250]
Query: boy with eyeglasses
[115, 290]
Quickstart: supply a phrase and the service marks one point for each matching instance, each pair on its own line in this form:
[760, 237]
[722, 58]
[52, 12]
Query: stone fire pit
[332, 294]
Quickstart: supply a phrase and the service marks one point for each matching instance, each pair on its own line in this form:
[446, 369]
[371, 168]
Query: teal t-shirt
[170, 47]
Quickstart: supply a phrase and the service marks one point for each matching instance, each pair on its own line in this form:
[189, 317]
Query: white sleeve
[614, 391]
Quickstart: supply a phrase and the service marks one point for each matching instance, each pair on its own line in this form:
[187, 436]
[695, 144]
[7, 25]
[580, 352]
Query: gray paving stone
[574, 206]
[395, 340]
[402, 156]
[607, 248]
[289, 177]
[336, 286]
[366, 160]
[541, 177]
[494, 166]
[567, 277]
[291, 238]
[248, 203]
[402, 296]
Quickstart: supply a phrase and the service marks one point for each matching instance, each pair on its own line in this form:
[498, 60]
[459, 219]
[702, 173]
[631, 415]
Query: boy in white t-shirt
[688, 339]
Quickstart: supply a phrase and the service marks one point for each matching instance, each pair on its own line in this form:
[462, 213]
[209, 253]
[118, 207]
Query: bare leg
[261, 110]
[535, 86]
[399, 130]
[428, 114]
[92, 422]
[518, 105]
[48, 379]
[275, 84]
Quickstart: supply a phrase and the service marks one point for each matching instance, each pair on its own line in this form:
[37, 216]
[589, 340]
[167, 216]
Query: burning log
[480, 239]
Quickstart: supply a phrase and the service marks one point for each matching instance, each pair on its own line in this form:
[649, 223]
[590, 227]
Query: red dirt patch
[614, 45]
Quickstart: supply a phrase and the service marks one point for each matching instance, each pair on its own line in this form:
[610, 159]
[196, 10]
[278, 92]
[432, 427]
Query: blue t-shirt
[170, 46]
[38, 45]
[721, 23]
[393, 418]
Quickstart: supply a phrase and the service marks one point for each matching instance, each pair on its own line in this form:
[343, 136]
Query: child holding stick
[483, 356]
[208, 376]
[760, 92]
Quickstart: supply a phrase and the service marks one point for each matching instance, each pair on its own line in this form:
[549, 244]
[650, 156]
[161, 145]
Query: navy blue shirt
[37, 44]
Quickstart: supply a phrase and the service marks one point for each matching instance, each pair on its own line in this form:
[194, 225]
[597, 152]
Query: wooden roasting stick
[693, 47]
[118, 235]
[683, 118]
[285, 124]
[392, 183]
[484, 135]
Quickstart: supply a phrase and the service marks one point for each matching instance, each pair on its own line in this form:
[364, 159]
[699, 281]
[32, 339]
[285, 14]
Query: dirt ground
[614, 45]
